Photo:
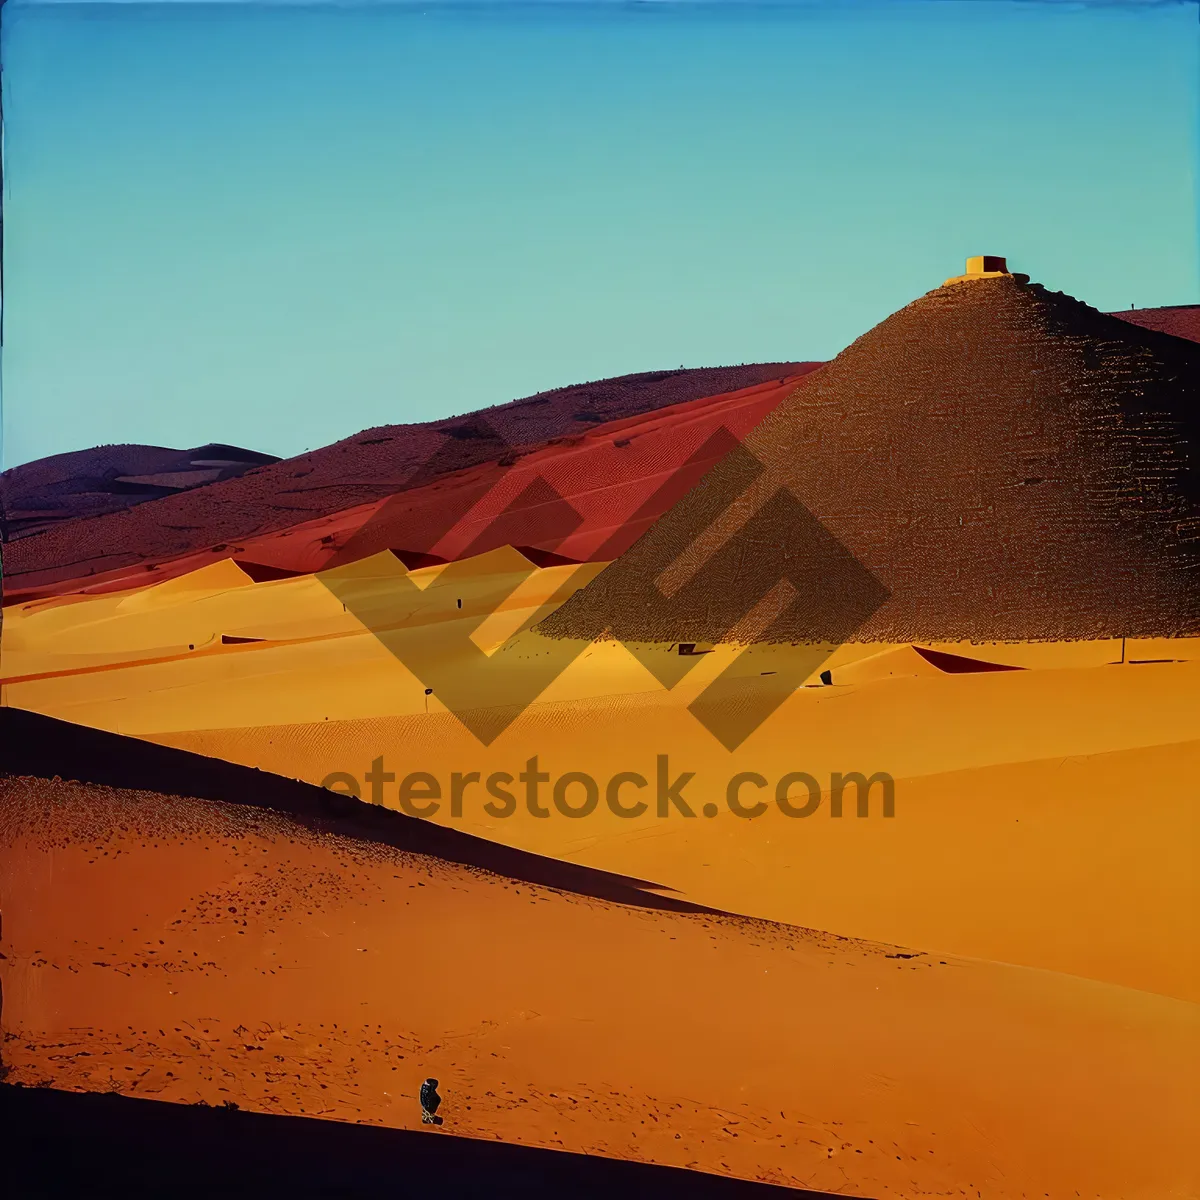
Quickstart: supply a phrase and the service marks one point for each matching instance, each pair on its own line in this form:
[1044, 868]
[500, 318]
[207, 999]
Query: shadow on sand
[93, 1144]
[44, 747]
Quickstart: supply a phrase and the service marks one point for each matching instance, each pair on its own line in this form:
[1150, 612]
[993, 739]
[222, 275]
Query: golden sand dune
[187, 951]
[200, 627]
[1083, 862]
[1042, 815]
[187, 640]
[212, 580]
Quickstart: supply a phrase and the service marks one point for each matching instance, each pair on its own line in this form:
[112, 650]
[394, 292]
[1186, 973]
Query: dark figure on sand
[430, 1101]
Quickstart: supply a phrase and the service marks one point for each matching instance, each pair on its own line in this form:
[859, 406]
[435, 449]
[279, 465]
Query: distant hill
[83, 519]
[338, 483]
[109, 479]
[994, 461]
[1179, 320]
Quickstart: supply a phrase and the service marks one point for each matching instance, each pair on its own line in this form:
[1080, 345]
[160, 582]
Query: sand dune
[216, 626]
[1052, 844]
[1027, 800]
[190, 950]
[41, 747]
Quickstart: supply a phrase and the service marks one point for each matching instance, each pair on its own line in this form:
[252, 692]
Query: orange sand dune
[191, 951]
[1041, 818]
[1084, 861]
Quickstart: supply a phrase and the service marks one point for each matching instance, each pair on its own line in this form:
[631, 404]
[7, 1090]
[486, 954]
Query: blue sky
[276, 226]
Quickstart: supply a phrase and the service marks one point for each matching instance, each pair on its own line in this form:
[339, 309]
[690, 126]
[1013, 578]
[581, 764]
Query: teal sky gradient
[275, 226]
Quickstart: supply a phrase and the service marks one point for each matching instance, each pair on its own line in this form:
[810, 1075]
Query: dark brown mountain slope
[993, 461]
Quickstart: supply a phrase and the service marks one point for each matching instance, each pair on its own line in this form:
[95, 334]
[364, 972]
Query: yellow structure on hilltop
[986, 266]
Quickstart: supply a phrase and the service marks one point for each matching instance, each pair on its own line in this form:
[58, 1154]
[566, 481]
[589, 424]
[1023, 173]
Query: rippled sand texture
[201, 951]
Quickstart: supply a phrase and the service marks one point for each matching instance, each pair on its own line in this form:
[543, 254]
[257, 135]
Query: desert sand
[192, 950]
[1042, 814]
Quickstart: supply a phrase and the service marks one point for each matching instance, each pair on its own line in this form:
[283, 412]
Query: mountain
[394, 487]
[1179, 320]
[109, 479]
[299, 514]
[995, 461]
